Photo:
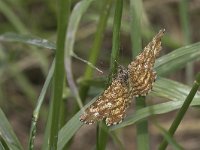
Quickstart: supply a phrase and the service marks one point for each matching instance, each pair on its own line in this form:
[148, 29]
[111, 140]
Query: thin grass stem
[142, 126]
[184, 18]
[63, 15]
[182, 111]
[102, 135]
[38, 107]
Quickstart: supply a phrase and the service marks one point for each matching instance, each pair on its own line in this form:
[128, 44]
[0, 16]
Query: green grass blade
[63, 15]
[71, 127]
[45, 144]
[7, 134]
[27, 39]
[74, 21]
[116, 38]
[102, 130]
[38, 106]
[31, 40]
[184, 18]
[136, 9]
[169, 138]
[102, 136]
[182, 111]
[136, 13]
[170, 89]
[1, 146]
[11, 16]
[40, 42]
[177, 59]
[142, 126]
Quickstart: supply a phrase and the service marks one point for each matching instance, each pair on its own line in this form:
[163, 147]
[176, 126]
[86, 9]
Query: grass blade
[116, 38]
[71, 127]
[27, 39]
[7, 134]
[177, 59]
[136, 13]
[1, 146]
[11, 16]
[182, 111]
[38, 106]
[102, 132]
[63, 14]
[184, 18]
[136, 8]
[169, 138]
[74, 21]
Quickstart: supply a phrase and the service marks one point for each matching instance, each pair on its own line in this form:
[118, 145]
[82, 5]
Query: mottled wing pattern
[141, 73]
[137, 80]
[111, 104]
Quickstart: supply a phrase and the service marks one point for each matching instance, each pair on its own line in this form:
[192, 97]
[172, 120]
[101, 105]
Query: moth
[135, 80]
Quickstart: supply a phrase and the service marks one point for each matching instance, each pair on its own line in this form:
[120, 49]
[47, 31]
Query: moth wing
[118, 112]
[113, 101]
[96, 111]
[141, 73]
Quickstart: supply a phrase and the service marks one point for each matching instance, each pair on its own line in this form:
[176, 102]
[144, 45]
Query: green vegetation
[90, 36]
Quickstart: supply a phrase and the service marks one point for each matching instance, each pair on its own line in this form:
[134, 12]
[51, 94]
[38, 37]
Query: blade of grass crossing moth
[182, 111]
[136, 13]
[116, 38]
[102, 135]
[136, 9]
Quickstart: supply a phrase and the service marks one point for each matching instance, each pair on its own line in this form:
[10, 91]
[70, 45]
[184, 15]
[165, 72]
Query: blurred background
[23, 68]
